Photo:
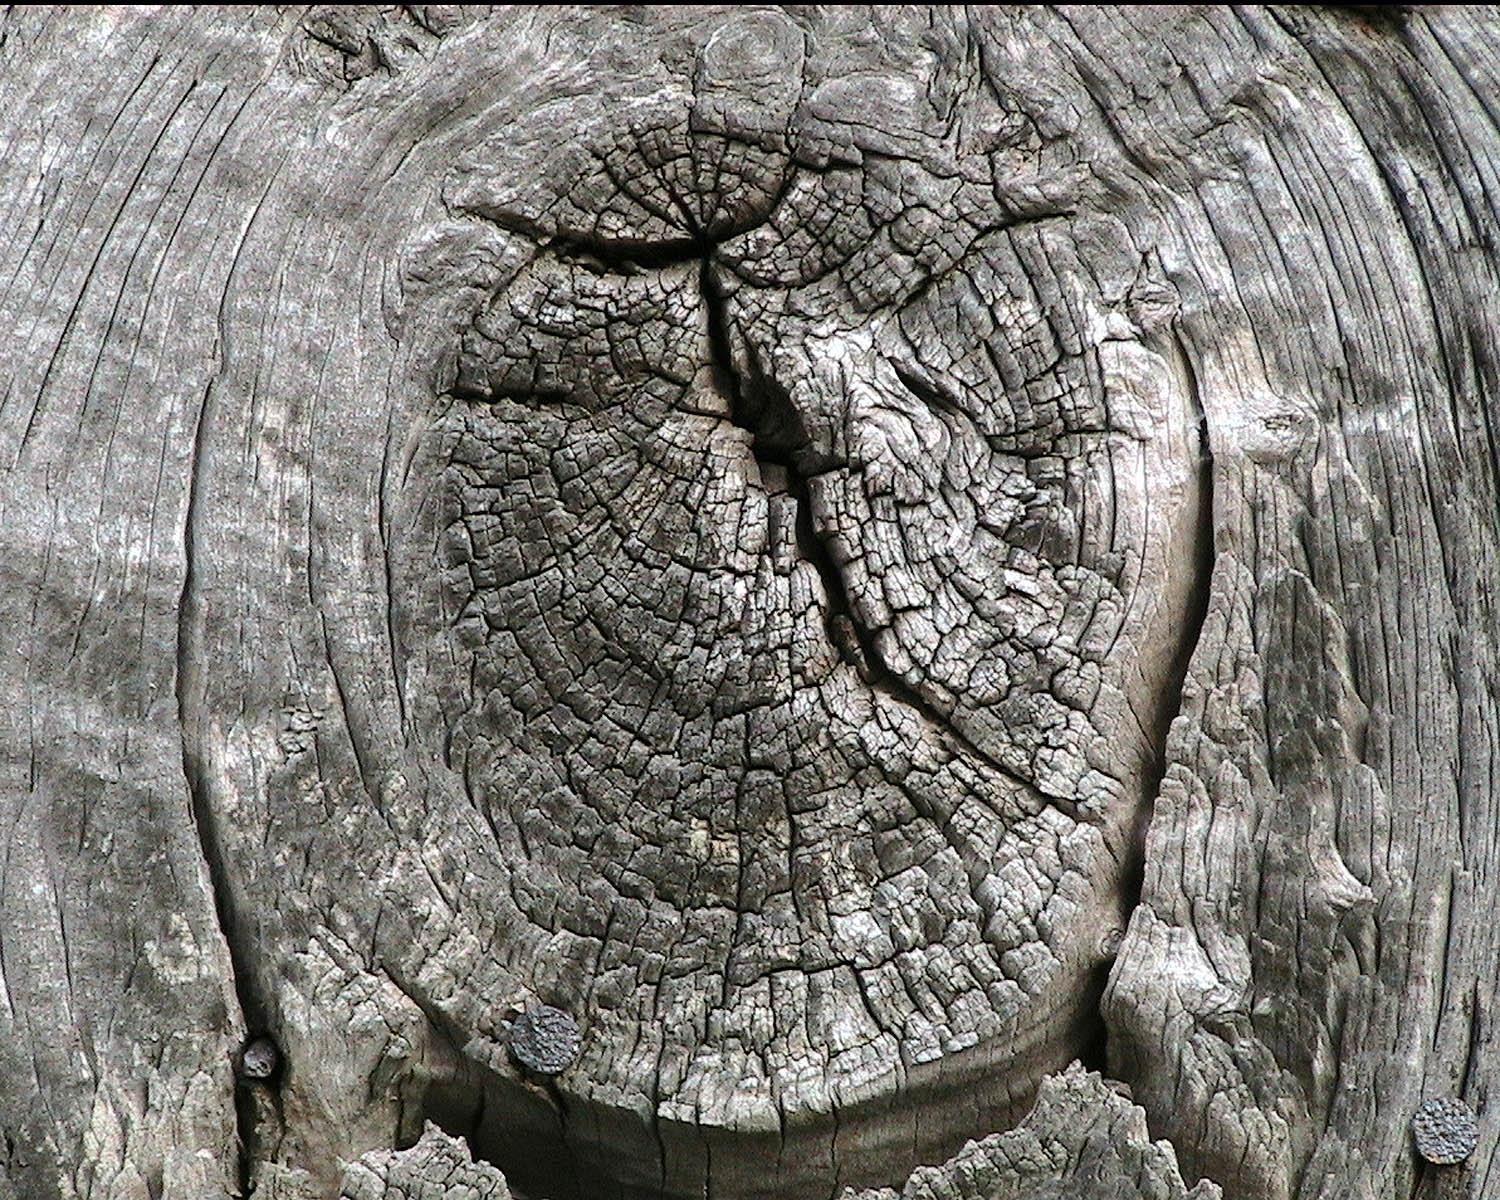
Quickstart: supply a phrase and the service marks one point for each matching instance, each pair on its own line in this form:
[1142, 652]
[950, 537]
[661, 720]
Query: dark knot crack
[787, 456]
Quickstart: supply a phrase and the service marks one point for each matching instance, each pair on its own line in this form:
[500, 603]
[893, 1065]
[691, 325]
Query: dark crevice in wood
[787, 456]
[618, 255]
[244, 1120]
[607, 255]
[696, 243]
[495, 1118]
[784, 451]
[518, 1126]
[757, 402]
[189, 685]
[1380, 17]
[1093, 1039]
[1195, 613]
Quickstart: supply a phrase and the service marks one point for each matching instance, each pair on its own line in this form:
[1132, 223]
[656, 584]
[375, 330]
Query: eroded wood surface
[864, 555]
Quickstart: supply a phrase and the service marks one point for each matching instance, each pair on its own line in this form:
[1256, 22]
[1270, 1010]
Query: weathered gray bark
[865, 555]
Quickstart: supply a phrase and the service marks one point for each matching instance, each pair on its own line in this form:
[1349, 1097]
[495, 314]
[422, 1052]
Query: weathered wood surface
[865, 555]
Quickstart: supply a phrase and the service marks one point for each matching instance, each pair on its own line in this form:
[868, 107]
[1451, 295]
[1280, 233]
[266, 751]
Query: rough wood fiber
[805, 539]
[1081, 1139]
[438, 1167]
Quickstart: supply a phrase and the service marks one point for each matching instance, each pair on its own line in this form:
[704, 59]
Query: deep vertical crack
[1195, 613]
[190, 686]
[1170, 694]
[785, 452]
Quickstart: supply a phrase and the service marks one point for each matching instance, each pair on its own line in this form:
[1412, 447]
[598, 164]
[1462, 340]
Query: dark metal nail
[1446, 1131]
[544, 1040]
[259, 1059]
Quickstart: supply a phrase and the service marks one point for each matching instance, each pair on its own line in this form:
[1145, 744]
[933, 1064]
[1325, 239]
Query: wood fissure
[254, 1011]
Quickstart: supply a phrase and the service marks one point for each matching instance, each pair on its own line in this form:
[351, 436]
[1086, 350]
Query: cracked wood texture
[923, 574]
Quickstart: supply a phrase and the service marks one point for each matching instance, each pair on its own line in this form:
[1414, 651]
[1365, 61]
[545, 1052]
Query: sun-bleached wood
[925, 575]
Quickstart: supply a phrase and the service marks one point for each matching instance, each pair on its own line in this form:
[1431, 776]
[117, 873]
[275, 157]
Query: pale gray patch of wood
[1082, 1141]
[1315, 839]
[438, 1167]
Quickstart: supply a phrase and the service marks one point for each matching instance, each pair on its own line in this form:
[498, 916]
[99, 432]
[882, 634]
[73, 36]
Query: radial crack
[780, 440]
